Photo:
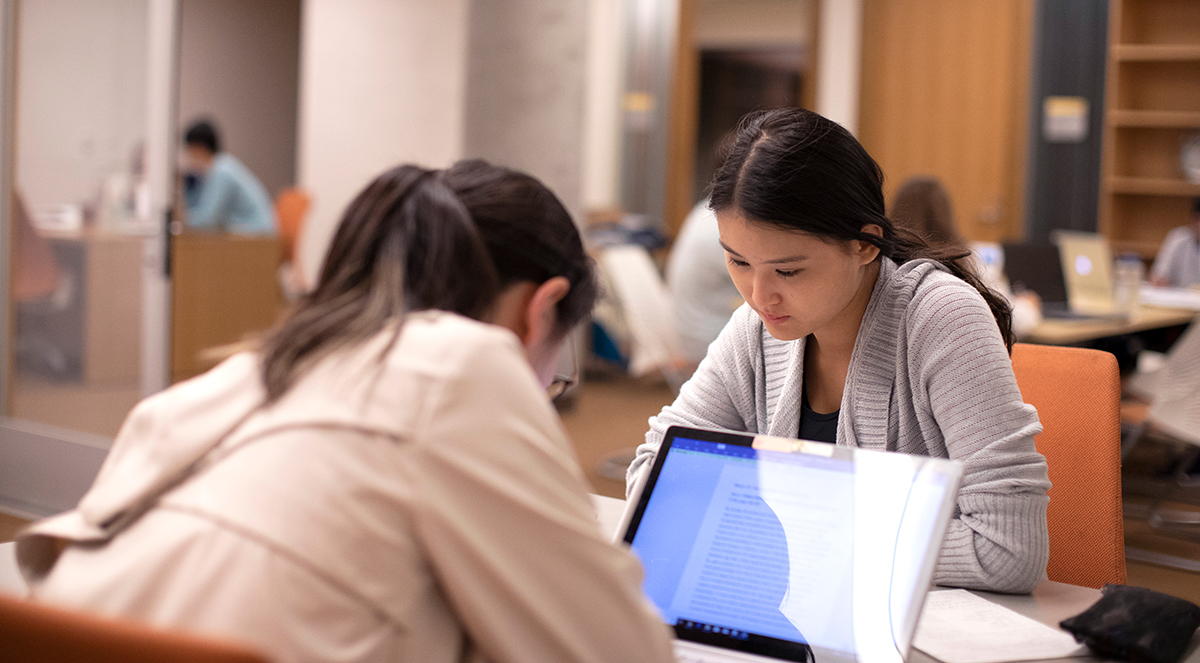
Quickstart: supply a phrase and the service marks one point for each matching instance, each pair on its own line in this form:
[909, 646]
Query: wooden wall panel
[684, 113]
[224, 289]
[944, 93]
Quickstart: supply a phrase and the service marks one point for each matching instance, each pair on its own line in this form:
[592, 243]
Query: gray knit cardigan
[929, 375]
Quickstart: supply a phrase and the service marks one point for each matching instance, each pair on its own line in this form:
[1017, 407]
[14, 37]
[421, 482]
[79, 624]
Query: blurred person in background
[1177, 264]
[702, 293]
[220, 191]
[923, 206]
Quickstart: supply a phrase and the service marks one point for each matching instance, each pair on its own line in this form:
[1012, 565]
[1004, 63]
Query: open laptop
[1087, 267]
[759, 548]
[1038, 267]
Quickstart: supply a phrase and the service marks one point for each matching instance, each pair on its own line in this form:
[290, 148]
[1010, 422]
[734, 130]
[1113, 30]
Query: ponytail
[418, 239]
[394, 251]
[955, 259]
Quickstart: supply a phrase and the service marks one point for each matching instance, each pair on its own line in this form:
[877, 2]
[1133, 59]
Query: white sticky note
[959, 627]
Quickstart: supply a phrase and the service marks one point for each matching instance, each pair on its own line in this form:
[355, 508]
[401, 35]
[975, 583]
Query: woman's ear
[541, 314]
[866, 250]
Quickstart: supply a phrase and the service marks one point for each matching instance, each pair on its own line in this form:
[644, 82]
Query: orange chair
[35, 272]
[1077, 394]
[291, 206]
[34, 633]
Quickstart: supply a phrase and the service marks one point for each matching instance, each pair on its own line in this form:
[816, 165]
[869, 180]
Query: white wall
[381, 82]
[239, 65]
[840, 61]
[526, 67]
[600, 179]
[81, 95]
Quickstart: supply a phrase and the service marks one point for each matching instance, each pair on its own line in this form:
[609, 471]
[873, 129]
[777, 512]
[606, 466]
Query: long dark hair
[796, 170]
[418, 239]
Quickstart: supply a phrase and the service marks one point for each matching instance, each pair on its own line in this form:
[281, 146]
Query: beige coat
[424, 508]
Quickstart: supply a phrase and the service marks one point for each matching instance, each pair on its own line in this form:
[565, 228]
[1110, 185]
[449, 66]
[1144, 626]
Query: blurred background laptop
[1087, 267]
[1038, 268]
[1073, 277]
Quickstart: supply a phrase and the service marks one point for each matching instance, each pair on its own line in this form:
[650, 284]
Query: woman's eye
[787, 273]
[737, 263]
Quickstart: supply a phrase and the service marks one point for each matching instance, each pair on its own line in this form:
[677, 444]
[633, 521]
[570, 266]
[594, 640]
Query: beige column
[525, 89]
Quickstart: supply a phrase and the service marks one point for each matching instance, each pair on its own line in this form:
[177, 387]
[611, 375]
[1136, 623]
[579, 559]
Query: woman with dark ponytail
[859, 333]
[385, 478]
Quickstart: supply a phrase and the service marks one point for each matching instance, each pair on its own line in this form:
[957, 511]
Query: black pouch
[1136, 624]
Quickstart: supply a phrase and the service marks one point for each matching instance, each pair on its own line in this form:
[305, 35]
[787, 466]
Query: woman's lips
[774, 319]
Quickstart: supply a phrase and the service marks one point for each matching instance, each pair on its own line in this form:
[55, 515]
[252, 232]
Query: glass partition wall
[88, 153]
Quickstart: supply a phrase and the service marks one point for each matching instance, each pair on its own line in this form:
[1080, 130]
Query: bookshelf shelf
[1153, 186]
[1152, 108]
[1156, 52]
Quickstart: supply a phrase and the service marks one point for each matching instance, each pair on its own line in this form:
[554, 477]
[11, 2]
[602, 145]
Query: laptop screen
[1087, 266]
[1036, 267]
[769, 551]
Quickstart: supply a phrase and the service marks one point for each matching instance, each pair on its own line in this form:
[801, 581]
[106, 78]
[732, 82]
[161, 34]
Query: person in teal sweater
[222, 193]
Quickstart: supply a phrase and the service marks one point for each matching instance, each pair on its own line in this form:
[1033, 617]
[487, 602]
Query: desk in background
[224, 288]
[90, 328]
[1074, 332]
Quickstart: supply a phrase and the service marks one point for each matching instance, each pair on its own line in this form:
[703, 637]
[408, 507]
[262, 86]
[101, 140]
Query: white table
[1050, 602]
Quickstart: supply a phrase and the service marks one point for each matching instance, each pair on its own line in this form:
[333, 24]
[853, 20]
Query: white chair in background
[642, 310]
[1174, 413]
[645, 308]
[1171, 384]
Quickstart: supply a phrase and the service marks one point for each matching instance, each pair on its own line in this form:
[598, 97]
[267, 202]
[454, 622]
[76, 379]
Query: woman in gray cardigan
[860, 333]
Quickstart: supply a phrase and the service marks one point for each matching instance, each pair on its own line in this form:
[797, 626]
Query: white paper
[1184, 298]
[959, 627]
[11, 581]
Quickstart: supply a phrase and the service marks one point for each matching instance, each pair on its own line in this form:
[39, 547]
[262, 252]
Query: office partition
[87, 148]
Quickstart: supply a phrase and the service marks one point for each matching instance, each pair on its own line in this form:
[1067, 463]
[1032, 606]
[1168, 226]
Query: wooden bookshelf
[1153, 186]
[1152, 108]
[1156, 52]
[1155, 118]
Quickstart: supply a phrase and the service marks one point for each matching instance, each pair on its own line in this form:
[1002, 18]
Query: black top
[815, 426]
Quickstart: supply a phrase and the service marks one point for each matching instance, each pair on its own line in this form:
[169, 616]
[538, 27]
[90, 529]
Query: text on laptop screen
[769, 547]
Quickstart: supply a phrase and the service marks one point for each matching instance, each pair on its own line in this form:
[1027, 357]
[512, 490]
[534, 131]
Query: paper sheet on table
[959, 627]
[11, 581]
[1185, 298]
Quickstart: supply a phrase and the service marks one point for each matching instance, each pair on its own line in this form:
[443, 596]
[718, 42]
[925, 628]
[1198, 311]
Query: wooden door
[945, 93]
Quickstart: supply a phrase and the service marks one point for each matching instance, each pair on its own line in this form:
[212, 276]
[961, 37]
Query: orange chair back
[290, 209]
[34, 633]
[1077, 394]
[35, 270]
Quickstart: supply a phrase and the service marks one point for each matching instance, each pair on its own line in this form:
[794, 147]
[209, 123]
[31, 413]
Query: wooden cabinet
[1152, 108]
[225, 289]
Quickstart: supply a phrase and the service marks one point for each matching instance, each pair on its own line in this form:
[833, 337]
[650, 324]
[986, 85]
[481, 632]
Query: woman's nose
[765, 292]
